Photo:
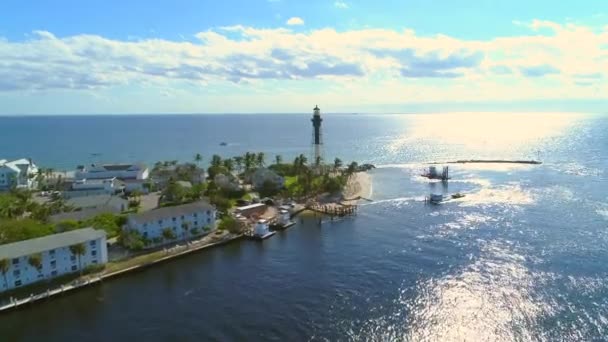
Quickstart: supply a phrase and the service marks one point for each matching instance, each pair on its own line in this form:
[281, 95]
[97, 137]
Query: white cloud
[341, 4]
[295, 21]
[368, 64]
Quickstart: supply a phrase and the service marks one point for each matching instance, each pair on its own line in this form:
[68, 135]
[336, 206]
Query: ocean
[523, 256]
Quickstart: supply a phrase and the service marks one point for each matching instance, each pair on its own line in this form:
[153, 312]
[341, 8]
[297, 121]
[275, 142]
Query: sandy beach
[359, 185]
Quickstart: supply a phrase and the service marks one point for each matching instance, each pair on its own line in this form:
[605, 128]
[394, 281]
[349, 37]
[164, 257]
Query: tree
[230, 224]
[238, 160]
[278, 159]
[318, 160]
[168, 234]
[260, 159]
[229, 164]
[35, 260]
[352, 168]
[249, 161]
[173, 192]
[337, 163]
[78, 250]
[4, 265]
[185, 228]
[216, 160]
[198, 158]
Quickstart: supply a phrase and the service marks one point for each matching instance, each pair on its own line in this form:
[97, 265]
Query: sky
[285, 56]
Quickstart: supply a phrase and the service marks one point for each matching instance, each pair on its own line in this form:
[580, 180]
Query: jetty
[490, 161]
[333, 209]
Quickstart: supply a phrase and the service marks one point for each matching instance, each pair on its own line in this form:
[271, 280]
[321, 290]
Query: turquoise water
[522, 257]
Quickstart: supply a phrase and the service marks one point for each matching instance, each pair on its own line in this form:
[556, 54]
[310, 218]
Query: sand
[359, 185]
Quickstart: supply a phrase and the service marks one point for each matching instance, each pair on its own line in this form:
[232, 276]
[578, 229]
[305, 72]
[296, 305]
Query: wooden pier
[333, 209]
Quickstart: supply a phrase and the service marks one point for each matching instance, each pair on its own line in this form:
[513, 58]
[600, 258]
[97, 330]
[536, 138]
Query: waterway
[524, 256]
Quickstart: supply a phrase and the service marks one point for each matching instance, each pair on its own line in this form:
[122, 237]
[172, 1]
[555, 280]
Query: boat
[223, 143]
[457, 195]
[262, 231]
[435, 198]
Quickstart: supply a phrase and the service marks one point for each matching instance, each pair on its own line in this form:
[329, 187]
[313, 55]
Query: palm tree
[198, 158]
[35, 260]
[249, 160]
[260, 159]
[185, 227]
[303, 160]
[318, 161]
[337, 163]
[78, 250]
[238, 160]
[168, 234]
[4, 265]
[278, 159]
[229, 164]
[352, 168]
[216, 160]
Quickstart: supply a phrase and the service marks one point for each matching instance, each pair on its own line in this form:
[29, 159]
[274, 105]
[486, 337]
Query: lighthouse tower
[317, 140]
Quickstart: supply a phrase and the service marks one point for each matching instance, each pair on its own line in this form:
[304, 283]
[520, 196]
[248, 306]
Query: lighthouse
[317, 140]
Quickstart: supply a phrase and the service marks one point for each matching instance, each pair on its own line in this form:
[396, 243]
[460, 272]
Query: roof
[84, 214]
[94, 201]
[46, 243]
[165, 212]
[251, 206]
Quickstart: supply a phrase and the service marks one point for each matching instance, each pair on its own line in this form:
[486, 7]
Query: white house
[264, 175]
[120, 171]
[92, 187]
[115, 203]
[182, 220]
[53, 252]
[20, 173]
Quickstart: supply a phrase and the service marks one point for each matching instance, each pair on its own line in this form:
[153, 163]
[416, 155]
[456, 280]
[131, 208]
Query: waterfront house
[20, 173]
[168, 224]
[115, 203]
[47, 257]
[120, 171]
[92, 187]
[263, 176]
[252, 209]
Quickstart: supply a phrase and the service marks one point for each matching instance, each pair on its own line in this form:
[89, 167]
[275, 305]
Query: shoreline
[96, 278]
[359, 186]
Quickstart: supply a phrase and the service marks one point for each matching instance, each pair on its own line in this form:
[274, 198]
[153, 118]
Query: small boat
[457, 195]
[223, 143]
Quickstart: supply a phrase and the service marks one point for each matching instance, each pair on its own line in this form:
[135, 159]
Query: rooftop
[46, 243]
[163, 213]
[93, 201]
[251, 206]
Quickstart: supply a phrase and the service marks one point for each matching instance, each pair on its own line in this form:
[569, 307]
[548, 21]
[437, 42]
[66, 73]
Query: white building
[115, 203]
[182, 220]
[20, 173]
[264, 175]
[53, 252]
[261, 228]
[120, 171]
[93, 187]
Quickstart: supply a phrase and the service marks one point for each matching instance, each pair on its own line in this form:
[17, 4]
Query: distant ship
[223, 144]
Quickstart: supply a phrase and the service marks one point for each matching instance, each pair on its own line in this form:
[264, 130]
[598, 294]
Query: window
[196, 223]
[93, 253]
[160, 221]
[53, 263]
[16, 273]
[208, 219]
[174, 219]
[94, 261]
[16, 261]
[54, 273]
[183, 217]
[18, 283]
[92, 243]
[40, 275]
[74, 268]
[73, 257]
[208, 212]
[145, 235]
[52, 253]
[145, 225]
[195, 215]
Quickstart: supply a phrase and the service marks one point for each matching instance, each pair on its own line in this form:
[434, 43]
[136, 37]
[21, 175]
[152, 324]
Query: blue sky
[68, 57]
